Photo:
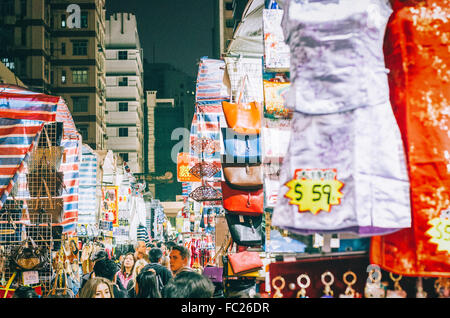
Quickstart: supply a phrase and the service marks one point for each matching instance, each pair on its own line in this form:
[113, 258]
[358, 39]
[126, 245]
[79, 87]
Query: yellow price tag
[440, 233]
[314, 190]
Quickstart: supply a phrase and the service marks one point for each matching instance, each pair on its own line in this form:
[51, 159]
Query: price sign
[184, 162]
[30, 277]
[440, 232]
[314, 190]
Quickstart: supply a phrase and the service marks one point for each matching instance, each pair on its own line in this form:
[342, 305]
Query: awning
[172, 208]
[248, 36]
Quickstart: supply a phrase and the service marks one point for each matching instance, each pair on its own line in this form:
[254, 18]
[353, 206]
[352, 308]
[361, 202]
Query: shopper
[108, 269]
[99, 255]
[138, 266]
[141, 251]
[155, 255]
[97, 287]
[179, 259]
[25, 292]
[147, 285]
[126, 270]
[189, 285]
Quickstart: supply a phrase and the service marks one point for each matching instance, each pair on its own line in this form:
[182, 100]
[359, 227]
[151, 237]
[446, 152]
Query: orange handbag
[242, 202]
[244, 118]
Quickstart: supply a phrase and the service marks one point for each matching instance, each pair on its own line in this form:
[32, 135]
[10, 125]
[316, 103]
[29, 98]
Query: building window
[123, 132]
[124, 156]
[79, 76]
[80, 104]
[229, 23]
[63, 48]
[228, 6]
[123, 107]
[123, 81]
[79, 47]
[83, 132]
[84, 19]
[23, 8]
[63, 21]
[24, 35]
[63, 77]
[123, 55]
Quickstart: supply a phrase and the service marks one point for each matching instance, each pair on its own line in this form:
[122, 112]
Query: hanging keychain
[349, 292]
[328, 292]
[442, 286]
[420, 293]
[302, 292]
[374, 288]
[278, 289]
[398, 292]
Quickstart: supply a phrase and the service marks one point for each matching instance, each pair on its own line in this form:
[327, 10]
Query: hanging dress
[417, 53]
[343, 126]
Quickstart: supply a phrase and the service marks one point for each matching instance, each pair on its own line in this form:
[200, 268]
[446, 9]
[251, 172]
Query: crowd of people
[160, 270]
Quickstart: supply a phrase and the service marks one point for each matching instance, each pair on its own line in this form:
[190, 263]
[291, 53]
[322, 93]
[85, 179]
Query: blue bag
[241, 148]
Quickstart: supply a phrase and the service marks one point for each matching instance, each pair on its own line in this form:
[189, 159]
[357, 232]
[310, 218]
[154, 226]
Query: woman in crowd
[97, 287]
[126, 270]
[147, 285]
[138, 266]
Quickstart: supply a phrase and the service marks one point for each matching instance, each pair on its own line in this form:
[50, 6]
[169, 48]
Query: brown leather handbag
[244, 118]
[243, 176]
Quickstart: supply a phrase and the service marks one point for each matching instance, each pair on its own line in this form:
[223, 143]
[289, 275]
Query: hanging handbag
[28, 256]
[205, 193]
[242, 202]
[10, 228]
[241, 148]
[214, 273]
[204, 169]
[244, 118]
[245, 230]
[243, 176]
[245, 262]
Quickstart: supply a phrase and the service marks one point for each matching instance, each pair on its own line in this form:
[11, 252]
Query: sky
[180, 30]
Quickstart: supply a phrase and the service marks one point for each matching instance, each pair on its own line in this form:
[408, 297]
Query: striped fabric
[71, 142]
[210, 84]
[19, 103]
[17, 139]
[142, 234]
[208, 118]
[71, 171]
[87, 200]
[63, 115]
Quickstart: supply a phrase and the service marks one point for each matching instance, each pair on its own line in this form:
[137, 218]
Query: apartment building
[78, 66]
[25, 31]
[124, 90]
[53, 55]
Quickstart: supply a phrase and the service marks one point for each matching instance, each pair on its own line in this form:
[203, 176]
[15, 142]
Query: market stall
[319, 165]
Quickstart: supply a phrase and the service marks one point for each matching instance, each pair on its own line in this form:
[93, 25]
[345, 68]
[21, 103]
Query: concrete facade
[124, 90]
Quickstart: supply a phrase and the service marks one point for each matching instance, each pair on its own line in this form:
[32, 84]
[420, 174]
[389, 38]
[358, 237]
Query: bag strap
[241, 91]
[8, 285]
[49, 195]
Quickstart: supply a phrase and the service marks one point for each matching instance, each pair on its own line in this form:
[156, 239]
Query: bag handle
[49, 195]
[8, 285]
[241, 91]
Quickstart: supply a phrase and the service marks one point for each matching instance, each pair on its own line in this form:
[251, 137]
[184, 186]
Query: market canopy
[248, 36]
[23, 114]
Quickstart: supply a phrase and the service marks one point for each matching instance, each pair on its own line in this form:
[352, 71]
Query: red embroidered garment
[417, 53]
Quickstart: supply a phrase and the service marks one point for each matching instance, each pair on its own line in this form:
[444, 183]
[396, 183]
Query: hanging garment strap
[8, 285]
